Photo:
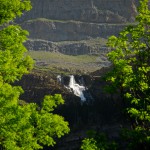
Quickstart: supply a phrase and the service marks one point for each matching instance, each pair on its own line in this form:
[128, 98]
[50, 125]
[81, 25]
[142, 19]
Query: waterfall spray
[77, 89]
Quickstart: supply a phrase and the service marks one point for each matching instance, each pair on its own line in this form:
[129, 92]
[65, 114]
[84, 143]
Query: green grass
[48, 56]
[51, 20]
[79, 21]
[65, 64]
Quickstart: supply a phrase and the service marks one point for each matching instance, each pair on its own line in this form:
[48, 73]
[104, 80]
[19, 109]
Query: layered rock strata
[75, 20]
[98, 11]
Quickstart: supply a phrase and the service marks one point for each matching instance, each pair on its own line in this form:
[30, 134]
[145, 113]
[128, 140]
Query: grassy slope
[66, 64]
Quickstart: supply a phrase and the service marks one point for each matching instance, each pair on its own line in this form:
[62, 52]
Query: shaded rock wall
[44, 35]
[100, 11]
[101, 114]
[75, 20]
[69, 30]
[69, 48]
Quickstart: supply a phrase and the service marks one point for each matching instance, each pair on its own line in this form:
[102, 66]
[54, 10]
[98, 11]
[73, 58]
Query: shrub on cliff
[24, 126]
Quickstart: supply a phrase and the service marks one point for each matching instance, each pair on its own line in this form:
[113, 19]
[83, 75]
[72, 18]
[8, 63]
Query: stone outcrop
[90, 115]
[52, 21]
[69, 48]
[46, 33]
[99, 11]
[69, 30]
[41, 45]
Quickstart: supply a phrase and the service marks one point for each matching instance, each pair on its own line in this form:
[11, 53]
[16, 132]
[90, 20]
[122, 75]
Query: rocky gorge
[74, 28]
[101, 113]
[52, 22]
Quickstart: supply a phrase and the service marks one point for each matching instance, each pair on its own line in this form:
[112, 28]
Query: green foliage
[9, 9]
[130, 77]
[22, 127]
[29, 127]
[13, 64]
[130, 58]
[136, 139]
[89, 144]
[98, 142]
[131, 70]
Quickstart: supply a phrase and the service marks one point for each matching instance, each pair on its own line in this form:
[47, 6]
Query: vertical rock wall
[100, 11]
[75, 20]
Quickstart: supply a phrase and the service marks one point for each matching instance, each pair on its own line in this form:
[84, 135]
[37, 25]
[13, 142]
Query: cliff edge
[53, 21]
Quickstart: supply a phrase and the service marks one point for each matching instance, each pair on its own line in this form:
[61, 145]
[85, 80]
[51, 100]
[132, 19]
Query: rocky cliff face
[76, 27]
[69, 30]
[90, 115]
[99, 11]
[75, 20]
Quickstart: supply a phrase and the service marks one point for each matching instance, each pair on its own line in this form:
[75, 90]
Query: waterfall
[77, 89]
[59, 79]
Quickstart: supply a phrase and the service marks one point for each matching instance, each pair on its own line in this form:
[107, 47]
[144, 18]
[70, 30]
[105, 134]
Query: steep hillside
[69, 37]
[53, 21]
[96, 11]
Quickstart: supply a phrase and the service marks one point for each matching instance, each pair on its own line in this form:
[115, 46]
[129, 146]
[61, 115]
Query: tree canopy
[130, 77]
[26, 126]
[131, 74]
[131, 65]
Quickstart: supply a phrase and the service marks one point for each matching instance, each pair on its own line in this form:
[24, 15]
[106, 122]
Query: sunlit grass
[48, 56]
[57, 62]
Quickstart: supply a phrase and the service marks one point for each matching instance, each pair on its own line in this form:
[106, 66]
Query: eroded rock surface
[98, 11]
[75, 20]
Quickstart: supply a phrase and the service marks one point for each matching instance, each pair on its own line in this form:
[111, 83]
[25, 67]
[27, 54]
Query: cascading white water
[77, 89]
[59, 78]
